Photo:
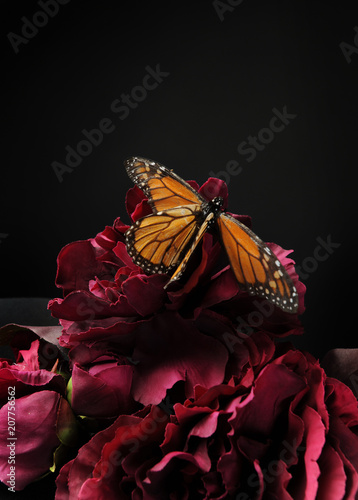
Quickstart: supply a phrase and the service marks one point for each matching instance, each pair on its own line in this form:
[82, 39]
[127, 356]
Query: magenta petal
[141, 210]
[81, 305]
[347, 439]
[62, 490]
[214, 187]
[194, 185]
[36, 441]
[30, 356]
[278, 487]
[26, 381]
[133, 197]
[222, 287]
[114, 330]
[266, 395]
[163, 476]
[145, 293]
[230, 466]
[105, 395]
[332, 481]
[77, 264]
[170, 349]
[315, 439]
[120, 250]
[206, 426]
[108, 238]
[80, 469]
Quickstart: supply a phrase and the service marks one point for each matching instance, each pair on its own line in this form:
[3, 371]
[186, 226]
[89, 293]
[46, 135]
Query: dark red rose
[106, 294]
[280, 430]
[111, 463]
[41, 422]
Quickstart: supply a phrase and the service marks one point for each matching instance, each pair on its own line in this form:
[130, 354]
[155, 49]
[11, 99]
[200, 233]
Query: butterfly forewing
[255, 266]
[163, 188]
[158, 242]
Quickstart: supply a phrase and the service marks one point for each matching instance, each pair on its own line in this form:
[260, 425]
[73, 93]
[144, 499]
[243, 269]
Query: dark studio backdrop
[261, 94]
[219, 74]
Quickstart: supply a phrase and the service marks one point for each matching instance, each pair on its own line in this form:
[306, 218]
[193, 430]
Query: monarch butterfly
[165, 240]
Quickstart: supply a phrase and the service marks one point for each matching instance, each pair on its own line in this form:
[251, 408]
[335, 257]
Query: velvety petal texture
[36, 437]
[281, 430]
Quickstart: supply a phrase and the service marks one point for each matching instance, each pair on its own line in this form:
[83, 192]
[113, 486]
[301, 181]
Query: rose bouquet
[185, 392]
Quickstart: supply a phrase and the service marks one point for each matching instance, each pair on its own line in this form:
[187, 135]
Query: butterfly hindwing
[184, 261]
[158, 242]
[163, 188]
[255, 266]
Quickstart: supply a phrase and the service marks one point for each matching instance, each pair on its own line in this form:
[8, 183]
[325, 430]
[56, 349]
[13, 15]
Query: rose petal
[144, 293]
[137, 204]
[76, 473]
[116, 331]
[214, 187]
[267, 395]
[120, 250]
[82, 305]
[35, 434]
[169, 349]
[315, 439]
[107, 394]
[108, 238]
[332, 481]
[77, 264]
[30, 357]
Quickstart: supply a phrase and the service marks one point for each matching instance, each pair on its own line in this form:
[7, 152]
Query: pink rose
[35, 418]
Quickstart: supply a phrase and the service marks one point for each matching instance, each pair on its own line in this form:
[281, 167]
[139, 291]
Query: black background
[225, 77]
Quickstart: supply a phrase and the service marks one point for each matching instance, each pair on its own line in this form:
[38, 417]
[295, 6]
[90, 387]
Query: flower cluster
[182, 393]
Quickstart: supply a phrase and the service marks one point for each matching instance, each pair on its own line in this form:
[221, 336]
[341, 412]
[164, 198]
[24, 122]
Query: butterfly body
[165, 240]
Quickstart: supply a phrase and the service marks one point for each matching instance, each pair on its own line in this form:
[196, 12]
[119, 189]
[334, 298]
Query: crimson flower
[283, 429]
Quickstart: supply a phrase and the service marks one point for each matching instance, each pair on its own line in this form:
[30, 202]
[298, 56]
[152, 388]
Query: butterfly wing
[158, 242]
[255, 266]
[163, 188]
[184, 261]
